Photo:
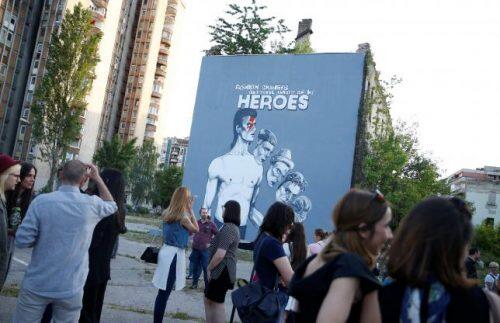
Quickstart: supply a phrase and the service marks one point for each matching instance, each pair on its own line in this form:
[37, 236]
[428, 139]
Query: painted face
[263, 151]
[381, 233]
[28, 181]
[248, 128]
[287, 192]
[280, 169]
[12, 180]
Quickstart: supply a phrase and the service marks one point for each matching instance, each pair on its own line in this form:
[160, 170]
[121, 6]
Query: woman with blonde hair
[9, 177]
[178, 222]
[330, 286]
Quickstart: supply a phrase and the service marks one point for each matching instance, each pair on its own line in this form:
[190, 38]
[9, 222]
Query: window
[26, 113]
[36, 64]
[22, 130]
[123, 125]
[492, 197]
[33, 80]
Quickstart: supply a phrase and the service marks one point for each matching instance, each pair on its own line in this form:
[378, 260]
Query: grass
[244, 255]
[177, 315]
[139, 236]
[143, 220]
[10, 291]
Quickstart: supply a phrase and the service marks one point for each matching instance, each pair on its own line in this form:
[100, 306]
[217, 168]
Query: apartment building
[127, 93]
[480, 186]
[174, 151]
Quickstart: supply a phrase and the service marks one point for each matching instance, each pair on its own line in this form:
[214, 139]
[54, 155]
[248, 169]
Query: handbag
[257, 303]
[150, 255]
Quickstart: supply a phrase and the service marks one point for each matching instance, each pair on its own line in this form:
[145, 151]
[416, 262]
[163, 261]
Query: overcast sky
[446, 52]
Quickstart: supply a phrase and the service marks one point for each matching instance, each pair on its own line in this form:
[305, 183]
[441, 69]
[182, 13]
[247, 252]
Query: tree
[142, 173]
[395, 166]
[59, 101]
[245, 31]
[116, 154]
[166, 181]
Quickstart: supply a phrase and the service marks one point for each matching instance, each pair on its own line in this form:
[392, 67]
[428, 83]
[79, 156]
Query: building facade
[127, 92]
[481, 187]
[174, 151]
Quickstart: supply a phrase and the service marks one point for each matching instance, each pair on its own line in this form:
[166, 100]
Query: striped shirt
[227, 239]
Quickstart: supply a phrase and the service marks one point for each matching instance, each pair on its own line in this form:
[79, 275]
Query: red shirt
[202, 238]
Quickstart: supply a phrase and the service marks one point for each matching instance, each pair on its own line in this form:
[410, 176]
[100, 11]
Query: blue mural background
[321, 137]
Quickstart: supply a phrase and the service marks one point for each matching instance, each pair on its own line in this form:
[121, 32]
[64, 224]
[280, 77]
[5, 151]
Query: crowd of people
[431, 271]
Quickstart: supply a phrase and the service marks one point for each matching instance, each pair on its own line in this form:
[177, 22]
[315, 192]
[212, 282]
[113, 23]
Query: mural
[272, 128]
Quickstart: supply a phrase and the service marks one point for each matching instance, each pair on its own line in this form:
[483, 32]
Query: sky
[446, 52]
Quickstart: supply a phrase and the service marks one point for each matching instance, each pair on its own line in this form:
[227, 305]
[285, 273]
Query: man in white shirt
[491, 278]
[59, 227]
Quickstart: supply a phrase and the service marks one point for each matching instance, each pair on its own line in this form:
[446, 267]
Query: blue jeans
[200, 261]
[162, 297]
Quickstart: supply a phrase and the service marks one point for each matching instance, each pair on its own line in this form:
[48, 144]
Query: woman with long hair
[330, 286]
[9, 177]
[271, 263]
[18, 201]
[222, 265]
[426, 261]
[319, 241]
[100, 250]
[296, 243]
[178, 222]
[22, 195]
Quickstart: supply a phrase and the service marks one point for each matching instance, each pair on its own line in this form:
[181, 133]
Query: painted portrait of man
[237, 174]
[266, 141]
[293, 185]
[281, 164]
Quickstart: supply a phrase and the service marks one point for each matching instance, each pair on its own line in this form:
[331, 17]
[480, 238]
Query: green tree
[395, 166]
[166, 181]
[116, 154]
[142, 173]
[245, 31]
[59, 101]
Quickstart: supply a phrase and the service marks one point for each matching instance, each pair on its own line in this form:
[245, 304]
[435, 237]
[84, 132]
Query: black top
[470, 266]
[466, 305]
[267, 249]
[312, 290]
[101, 249]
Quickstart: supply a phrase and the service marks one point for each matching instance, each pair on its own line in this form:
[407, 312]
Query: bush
[487, 240]
[130, 208]
[142, 210]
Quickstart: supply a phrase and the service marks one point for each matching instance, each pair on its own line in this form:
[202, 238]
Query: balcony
[166, 37]
[156, 94]
[99, 14]
[162, 60]
[100, 3]
[171, 10]
[160, 72]
[163, 50]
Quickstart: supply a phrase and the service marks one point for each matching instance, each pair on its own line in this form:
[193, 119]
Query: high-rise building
[174, 151]
[144, 91]
[128, 89]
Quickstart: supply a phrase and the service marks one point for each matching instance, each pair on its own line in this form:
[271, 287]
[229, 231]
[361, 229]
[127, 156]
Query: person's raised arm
[189, 222]
[104, 193]
[338, 302]
[284, 268]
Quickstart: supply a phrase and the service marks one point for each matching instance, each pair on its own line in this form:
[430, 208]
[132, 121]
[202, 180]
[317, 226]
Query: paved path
[130, 295]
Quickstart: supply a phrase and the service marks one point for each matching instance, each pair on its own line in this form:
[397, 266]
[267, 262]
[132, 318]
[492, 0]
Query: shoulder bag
[257, 303]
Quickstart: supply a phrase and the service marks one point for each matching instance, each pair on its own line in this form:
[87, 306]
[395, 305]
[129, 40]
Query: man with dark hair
[236, 175]
[471, 263]
[201, 242]
[59, 227]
